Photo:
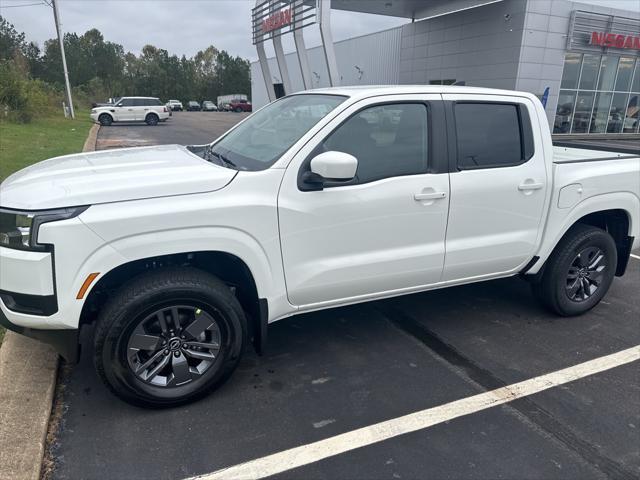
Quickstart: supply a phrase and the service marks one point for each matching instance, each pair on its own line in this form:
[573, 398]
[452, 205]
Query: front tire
[152, 119]
[579, 272]
[105, 119]
[169, 337]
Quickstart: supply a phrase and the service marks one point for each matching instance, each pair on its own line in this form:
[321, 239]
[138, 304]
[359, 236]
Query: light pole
[56, 17]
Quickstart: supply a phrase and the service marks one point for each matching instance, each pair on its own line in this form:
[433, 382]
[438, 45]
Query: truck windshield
[259, 141]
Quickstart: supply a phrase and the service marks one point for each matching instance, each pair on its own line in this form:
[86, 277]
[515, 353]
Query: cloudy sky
[183, 26]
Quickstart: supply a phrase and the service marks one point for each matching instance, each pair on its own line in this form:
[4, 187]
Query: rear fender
[560, 221]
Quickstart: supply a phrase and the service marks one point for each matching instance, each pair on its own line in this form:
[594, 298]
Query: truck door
[383, 231]
[498, 186]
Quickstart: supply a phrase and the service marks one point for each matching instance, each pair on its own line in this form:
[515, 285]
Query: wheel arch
[229, 268]
[616, 213]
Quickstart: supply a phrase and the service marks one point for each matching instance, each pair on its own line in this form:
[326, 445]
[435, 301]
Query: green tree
[11, 41]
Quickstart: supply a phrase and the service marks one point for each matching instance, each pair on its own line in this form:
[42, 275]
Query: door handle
[530, 186]
[419, 197]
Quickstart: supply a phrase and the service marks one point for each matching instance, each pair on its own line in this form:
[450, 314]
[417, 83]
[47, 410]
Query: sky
[185, 26]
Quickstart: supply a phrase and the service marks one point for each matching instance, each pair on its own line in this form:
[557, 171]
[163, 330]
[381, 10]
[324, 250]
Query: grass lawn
[25, 144]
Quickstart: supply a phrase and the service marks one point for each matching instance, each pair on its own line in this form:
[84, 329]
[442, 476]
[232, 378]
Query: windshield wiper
[225, 161]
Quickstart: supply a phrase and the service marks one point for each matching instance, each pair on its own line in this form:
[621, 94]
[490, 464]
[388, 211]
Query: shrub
[21, 97]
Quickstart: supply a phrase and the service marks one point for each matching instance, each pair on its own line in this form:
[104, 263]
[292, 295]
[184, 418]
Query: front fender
[206, 239]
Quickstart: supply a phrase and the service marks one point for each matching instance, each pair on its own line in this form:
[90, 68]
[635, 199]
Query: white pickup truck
[181, 256]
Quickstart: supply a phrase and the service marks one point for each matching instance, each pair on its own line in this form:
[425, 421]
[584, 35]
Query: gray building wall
[480, 46]
[513, 44]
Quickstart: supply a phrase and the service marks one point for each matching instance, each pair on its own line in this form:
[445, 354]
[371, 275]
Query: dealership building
[582, 60]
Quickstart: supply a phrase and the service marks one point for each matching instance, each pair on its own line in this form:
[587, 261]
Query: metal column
[264, 66]
[282, 64]
[327, 42]
[301, 50]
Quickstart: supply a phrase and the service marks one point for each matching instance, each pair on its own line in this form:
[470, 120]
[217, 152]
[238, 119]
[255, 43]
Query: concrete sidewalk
[28, 371]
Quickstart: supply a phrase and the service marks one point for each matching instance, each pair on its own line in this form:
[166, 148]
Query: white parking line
[329, 447]
[635, 256]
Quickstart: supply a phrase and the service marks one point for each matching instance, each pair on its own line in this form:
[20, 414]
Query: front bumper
[65, 342]
[27, 295]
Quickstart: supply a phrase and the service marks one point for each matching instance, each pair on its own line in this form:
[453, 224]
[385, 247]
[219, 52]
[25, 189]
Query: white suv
[175, 105]
[131, 109]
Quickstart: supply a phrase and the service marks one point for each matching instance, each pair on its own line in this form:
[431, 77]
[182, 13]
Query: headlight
[93, 110]
[20, 229]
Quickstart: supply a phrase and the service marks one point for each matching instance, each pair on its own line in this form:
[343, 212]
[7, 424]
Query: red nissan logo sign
[603, 39]
[277, 20]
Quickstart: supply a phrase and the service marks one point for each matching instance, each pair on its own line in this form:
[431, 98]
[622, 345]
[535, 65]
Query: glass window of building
[599, 94]
[625, 71]
[608, 69]
[635, 84]
[564, 112]
[601, 112]
[589, 74]
[617, 113]
[630, 124]
[571, 72]
[582, 112]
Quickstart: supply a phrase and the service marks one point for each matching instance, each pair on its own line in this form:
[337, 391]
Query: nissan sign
[602, 39]
[277, 20]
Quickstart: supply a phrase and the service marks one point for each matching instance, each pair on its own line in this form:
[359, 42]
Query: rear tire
[152, 119]
[238, 110]
[105, 119]
[169, 337]
[579, 272]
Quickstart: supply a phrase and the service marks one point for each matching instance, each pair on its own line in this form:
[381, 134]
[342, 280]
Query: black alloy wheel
[579, 272]
[105, 120]
[174, 345]
[152, 119]
[169, 337]
[585, 274]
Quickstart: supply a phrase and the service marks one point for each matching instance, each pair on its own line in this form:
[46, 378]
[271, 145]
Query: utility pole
[56, 17]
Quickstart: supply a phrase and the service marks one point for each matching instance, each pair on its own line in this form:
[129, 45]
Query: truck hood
[112, 176]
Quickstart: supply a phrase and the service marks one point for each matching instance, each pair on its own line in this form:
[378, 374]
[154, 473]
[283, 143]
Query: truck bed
[579, 155]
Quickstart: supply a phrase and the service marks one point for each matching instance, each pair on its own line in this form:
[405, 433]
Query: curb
[28, 371]
[92, 139]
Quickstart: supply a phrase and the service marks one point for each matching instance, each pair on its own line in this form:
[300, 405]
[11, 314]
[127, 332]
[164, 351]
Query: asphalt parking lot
[183, 128]
[331, 372]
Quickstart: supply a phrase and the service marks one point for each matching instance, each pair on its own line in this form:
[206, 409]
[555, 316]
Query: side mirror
[330, 166]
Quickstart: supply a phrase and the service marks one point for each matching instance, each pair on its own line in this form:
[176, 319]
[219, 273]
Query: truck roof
[364, 91]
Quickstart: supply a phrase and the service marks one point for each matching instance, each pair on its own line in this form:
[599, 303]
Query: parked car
[175, 105]
[131, 109]
[226, 107]
[193, 106]
[240, 106]
[111, 101]
[227, 99]
[182, 255]
[209, 106]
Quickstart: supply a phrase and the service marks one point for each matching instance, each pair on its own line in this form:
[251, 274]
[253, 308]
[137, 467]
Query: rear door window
[491, 135]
